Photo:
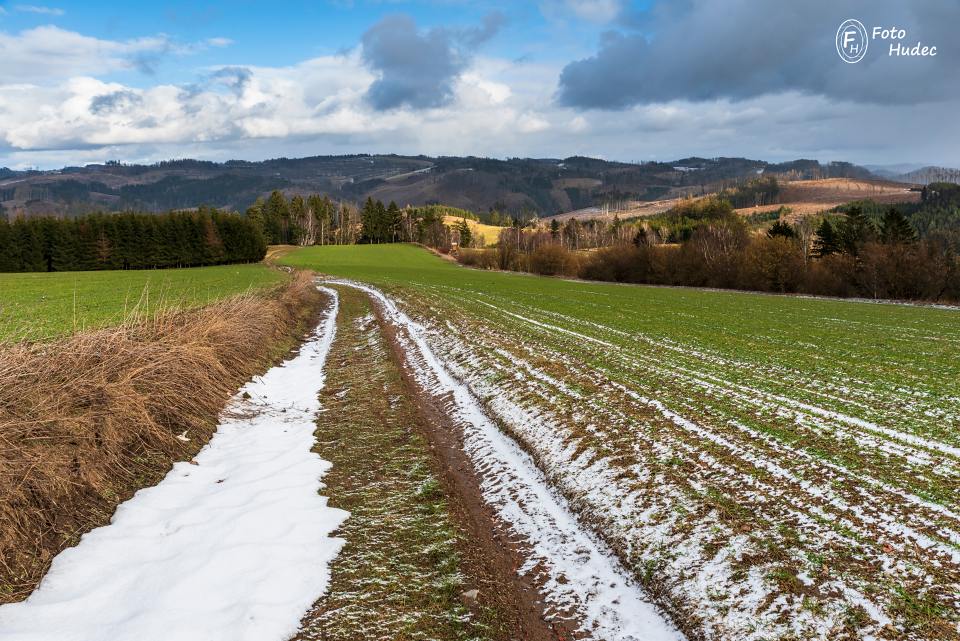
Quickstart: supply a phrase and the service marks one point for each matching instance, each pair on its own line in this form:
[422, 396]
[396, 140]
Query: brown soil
[491, 556]
[805, 197]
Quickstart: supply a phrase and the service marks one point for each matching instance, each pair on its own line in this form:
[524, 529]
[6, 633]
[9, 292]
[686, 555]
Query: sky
[86, 82]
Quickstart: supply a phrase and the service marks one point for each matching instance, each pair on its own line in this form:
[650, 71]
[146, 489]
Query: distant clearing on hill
[490, 233]
[805, 197]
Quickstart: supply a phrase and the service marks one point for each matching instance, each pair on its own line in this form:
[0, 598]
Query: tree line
[128, 241]
[318, 220]
[845, 253]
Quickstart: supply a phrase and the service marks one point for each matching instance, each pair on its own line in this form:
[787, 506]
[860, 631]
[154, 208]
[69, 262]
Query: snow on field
[760, 498]
[581, 577]
[233, 545]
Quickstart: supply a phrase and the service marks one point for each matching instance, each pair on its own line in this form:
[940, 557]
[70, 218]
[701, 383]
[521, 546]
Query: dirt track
[373, 397]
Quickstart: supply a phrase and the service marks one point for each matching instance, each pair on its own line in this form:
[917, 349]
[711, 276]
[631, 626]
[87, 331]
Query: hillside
[483, 234]
[801, 196]
[805, 197]
[928, 175]
[514, 186]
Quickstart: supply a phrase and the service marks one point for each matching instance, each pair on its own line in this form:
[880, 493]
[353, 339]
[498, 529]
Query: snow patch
[234, 547]
[580, 575]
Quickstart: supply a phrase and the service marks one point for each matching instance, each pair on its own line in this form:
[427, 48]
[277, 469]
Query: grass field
[769, 467]
[489, 233]
[45, 305]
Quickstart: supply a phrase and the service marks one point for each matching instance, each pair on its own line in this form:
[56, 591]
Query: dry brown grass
[87, 420]
[807, 197]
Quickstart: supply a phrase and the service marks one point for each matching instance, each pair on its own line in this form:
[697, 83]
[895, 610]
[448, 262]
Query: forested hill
[513, 186]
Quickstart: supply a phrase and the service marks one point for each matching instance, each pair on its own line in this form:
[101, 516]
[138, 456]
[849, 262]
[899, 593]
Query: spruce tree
[276, 215]
[298, 218]
[255, 213]
[825, 241]
[392, 222]
[9, 252]
[380, 222]
[855, 230]
[368, 221]
[63, 250]
[639, 238]
[781, 228]
[463, 231]
[30, 243]
[896, 229]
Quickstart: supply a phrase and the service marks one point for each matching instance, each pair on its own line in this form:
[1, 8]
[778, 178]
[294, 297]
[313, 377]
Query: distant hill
[541, 186]
[927, 175]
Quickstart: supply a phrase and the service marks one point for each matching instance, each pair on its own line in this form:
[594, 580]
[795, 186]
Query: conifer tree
[380, 222]
[9, 252]
[276, 216]
[781, 228]
[463, 231]
[825, 242]
[896, 229]
[392, 222]
[30, 242]
[368, 221]
[855, 230]
[255, 213]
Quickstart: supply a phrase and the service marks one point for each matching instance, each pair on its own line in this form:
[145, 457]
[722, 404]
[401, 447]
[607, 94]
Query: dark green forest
[129, 241]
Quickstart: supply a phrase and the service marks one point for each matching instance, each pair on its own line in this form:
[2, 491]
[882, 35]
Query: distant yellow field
[490, 233]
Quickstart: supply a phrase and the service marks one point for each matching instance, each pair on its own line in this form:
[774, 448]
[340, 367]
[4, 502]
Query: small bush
[553, 260]
[479, 258]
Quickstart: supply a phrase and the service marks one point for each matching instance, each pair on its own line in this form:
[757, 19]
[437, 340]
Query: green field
[45, 305]
[772, 466]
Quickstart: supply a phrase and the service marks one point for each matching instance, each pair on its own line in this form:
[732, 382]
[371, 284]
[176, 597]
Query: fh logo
[852, 41]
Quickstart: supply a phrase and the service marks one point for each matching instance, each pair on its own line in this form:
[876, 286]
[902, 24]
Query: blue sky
[275, 33]
[89, 81]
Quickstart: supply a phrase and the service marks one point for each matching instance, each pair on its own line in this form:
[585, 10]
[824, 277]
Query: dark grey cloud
[418, 69]
[488, 28]
[116, 101]
[720, 49]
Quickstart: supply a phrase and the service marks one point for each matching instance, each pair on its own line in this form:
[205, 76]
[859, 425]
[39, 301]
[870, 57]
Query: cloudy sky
[95, 80]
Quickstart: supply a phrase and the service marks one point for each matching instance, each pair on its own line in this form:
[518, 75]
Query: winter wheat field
[683, 463]
[464, 454]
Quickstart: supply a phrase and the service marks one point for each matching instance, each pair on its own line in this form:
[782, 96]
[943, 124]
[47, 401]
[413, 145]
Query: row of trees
[844, 255]
[129, 241]
[316, 220]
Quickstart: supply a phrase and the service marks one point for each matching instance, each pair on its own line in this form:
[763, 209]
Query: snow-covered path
[581, 577]
[235, 547]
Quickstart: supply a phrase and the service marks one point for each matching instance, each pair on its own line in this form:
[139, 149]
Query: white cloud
[62, 114]
[596, 11]
[32, 8]
[49, 54]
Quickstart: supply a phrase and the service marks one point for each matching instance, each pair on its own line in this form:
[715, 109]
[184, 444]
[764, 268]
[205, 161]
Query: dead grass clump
[480, 258]
[87, 420]
[554, 260]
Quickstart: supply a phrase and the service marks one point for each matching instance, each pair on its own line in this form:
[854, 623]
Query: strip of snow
[912, 439]
[233, 548]
[579, 573]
